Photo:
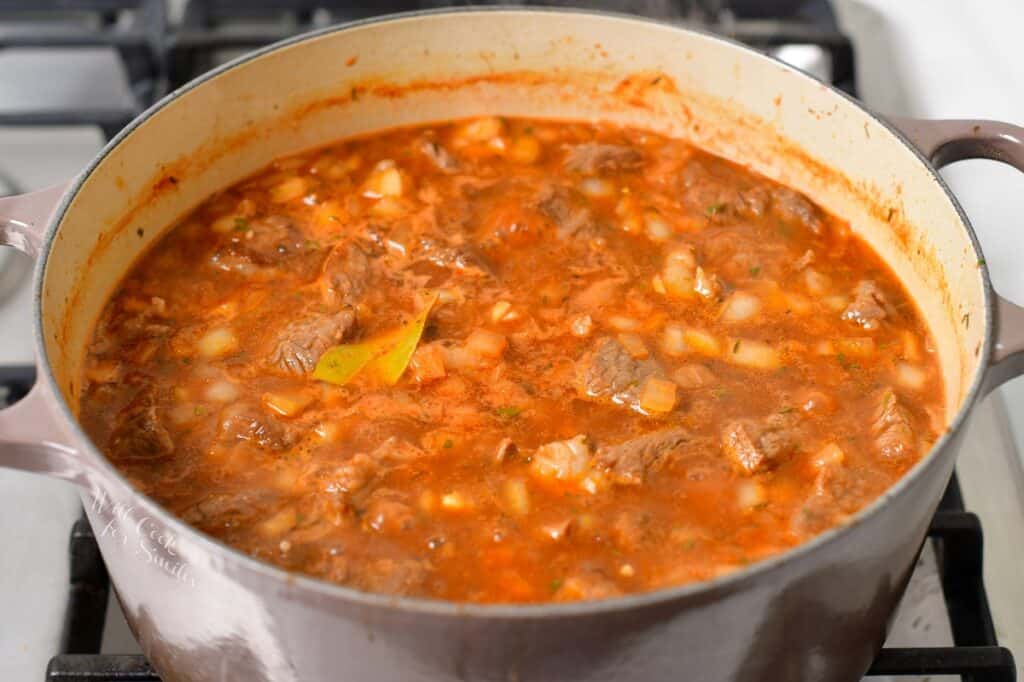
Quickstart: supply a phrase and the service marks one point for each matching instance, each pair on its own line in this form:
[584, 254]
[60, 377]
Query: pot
[202, 611]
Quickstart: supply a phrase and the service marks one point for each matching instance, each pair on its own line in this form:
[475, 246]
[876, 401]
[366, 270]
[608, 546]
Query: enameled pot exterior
[203, 612]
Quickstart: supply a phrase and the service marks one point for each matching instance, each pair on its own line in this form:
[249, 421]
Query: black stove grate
[159, 55]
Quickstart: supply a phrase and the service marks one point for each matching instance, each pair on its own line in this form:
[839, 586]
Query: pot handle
[27, 428]
[944, 142]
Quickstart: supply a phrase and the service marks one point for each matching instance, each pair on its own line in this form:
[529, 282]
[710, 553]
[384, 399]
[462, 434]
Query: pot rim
[311, 589]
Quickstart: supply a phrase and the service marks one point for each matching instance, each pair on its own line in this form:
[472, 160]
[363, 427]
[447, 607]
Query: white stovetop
[917, 57]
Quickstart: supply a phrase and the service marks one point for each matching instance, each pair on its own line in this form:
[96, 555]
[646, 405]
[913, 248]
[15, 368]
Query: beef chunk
[596, 157]
[567, 210]
[138, 432]
[247, 423]
[587, 583]
[269, 241]
[394, 450]
[794, 207]
[629, 462]
[462, 259]
[387, 512]
[629, 529]
[720, 193]
[344, 275]
[610, 374]
[300, 344]
[392, 576]
[438, 155]
[892, 427]
[754, 447]
[869, 306]
[349, 477]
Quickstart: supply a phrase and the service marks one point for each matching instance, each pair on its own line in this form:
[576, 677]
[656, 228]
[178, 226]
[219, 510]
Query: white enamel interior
[517, 63]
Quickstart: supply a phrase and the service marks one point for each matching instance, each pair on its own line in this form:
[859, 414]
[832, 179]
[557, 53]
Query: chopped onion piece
[582, 325]
[816, 283]
[288, 403]
[620, 323]
[455, 502]
[280, 523]
[500, 310]
[829, 456]
[837, 302]
[657, 228]
[702, 342]
[563, 459]
[911, 376]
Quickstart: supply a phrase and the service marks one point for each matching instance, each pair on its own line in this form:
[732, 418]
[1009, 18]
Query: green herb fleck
[786, 410]
[736, 347]
[334, 218]
[689, 544]
[555, 584]
[755, 271]
[241, 224]
[312, 244]
[448, 444]
[845, 363]
[509, 411]
[714, 209]
[186, 361]
[981, 262]
[199, 411]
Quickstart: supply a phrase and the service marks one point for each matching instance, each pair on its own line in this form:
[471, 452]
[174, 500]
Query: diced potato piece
[563, 459]
[799, 304]
[500, 310]
[221, 391]
[288, 403]
[517, 496]
[330, 215]
[911, 346]
[679, 272]
[280, 523]
[480, 129]
[658, 395]
[525, 149]
[673, 340]
[693, 376]
[658, 284]
[817, 284]
[750, 494]
[597, 188]
[456, 502]
[389, 207]
[582, 325]
[428, 501]
[829, 456]
[860, 347]
[228, 223]
[621, 323]
[328, 432]
[911, 377]
[751, 353]
[385, 181]
[702, 342]
[740, 307]
[486, 344]
[427, 364]
[217, 342]
[634, 345]
[838, 302]
[289, 190]
[656, 227]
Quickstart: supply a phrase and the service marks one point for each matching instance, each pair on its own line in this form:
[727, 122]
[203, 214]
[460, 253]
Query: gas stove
[73, 72]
